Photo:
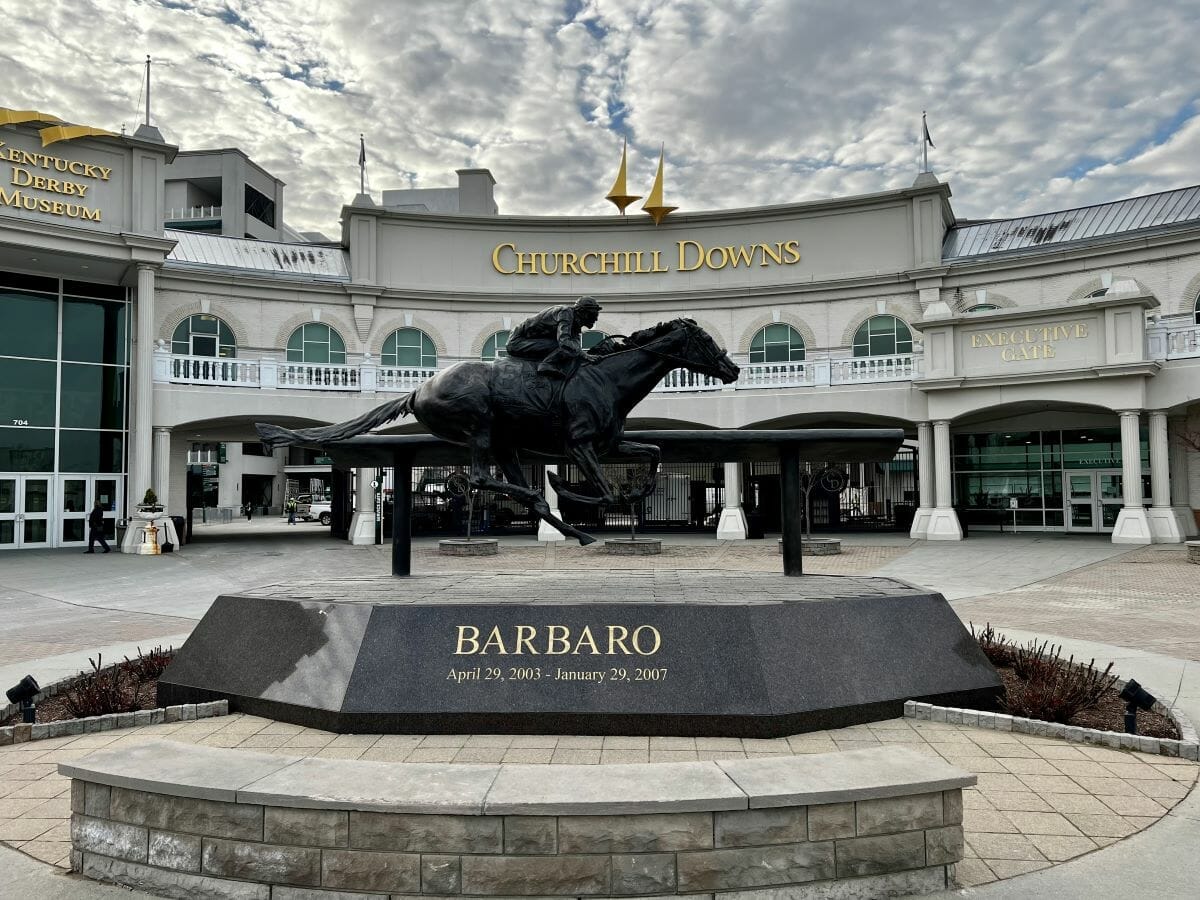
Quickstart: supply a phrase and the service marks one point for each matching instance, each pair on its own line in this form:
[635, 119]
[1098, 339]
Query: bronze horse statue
[502, 409]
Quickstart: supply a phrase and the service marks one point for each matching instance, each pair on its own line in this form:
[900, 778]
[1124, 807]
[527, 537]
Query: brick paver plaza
[1039, 801]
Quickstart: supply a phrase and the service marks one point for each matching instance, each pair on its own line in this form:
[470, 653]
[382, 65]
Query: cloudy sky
[1033, 105]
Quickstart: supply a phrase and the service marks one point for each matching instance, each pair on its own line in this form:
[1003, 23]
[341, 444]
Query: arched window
[882, 336]
[591, 338]
[316, 342]
[493, 347]
[203, 335]
[777, 343]
[1196, 311]
[1097, 293]
[409, 347]
[982, 307]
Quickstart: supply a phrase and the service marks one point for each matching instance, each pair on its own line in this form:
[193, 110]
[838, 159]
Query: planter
[464, 547]
[817, 546]
[627, 547]
[1193, 552]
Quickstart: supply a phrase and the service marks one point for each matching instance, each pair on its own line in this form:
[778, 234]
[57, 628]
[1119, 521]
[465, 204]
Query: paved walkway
[1039, 801]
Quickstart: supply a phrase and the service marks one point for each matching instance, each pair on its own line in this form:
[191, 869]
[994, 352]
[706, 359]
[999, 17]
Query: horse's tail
[275, 436]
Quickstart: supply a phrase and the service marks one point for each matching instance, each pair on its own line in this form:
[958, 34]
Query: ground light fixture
[23, 693]
[1136, 697]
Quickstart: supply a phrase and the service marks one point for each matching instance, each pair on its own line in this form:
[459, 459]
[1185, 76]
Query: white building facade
[1046, 369]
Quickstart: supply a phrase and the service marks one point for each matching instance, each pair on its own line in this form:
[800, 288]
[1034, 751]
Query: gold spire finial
[619, 196]
[654, 207]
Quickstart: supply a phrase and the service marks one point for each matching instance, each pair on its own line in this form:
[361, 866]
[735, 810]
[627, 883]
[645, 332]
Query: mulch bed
[1109, 715]
[55, 709]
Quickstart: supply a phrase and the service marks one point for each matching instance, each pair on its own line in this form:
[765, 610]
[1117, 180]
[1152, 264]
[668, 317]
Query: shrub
[1054, 690]
[146, 667]
[996, 647]
[100, 692]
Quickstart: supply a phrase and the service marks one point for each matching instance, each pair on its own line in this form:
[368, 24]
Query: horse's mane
[646, 335]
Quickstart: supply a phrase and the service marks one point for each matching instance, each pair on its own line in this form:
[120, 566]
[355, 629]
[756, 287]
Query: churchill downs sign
[689, 256]
[50, 184]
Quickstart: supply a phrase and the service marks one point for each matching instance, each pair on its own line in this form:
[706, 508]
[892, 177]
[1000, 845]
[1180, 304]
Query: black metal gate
[687, 497]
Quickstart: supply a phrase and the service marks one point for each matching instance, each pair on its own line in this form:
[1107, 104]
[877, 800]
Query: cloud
[1034, 105]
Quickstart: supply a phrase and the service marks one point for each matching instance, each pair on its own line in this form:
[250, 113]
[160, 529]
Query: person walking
[96, 528]
[248, 509]
[291, 508]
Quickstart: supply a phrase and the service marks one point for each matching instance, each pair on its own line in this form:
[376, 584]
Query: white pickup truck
[317, 508]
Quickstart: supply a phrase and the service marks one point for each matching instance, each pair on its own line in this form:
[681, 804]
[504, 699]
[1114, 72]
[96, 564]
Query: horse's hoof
[586, 539]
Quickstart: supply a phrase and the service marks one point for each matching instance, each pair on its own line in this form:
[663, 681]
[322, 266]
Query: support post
[546, 532]
[1133, 525]
[401, 514]
[943, 523]
[162, 466]
[1178, 464]
[362, 526]
[791, 501]
[920, 524]
[141, 437]
[1163, 526]
[732, 525]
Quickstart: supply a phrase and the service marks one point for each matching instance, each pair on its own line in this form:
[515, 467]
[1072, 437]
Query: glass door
[24, 511]
[79, 496]
[8, 512]
[1080, 491]
[1112, 498]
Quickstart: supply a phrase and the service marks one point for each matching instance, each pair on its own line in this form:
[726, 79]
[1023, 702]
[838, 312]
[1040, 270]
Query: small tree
[459, 485]
[831, 479]
[634, 480]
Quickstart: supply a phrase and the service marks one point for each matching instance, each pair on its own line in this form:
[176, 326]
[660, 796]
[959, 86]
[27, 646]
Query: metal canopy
[810, 444]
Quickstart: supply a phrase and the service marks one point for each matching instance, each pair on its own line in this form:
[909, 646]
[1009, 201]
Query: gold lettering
[90, 214]
[618, 641]
[494, 638]
[570, 263]
[1008, 354]
[989, 339]
[741, 254]
[21, 177]
[1047, 351]
[683, 266]
[556, 636]
[583, 263]
[496, 258]
[586, 637]
[467, 635]
[776, 254]
[607, 258]
[708, 258]
[525, 636]
[637, 643]
[639, 270]
[658, 266]
[1081, 330]
[792, 248]
[526, 263]
[75, 167]
[543, 261]
[974, 340]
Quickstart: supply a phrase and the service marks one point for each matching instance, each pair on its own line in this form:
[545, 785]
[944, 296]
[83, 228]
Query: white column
[943, 521]
[545, 531]
[1133, 524]
[362, 523]
[732, 525]
[1177, 452]
[920, 525]
[140, 432]
[1163, 525]
[162, 466]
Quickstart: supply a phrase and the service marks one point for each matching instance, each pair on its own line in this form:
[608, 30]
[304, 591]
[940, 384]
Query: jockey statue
[552, 337]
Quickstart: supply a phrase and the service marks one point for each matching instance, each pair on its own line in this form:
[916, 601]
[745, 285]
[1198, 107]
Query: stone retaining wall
[667, 829]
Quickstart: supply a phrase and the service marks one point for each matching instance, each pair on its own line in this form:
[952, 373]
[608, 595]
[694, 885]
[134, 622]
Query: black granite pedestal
[669, 653]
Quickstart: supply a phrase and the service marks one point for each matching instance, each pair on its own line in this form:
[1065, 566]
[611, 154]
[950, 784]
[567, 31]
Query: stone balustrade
[192, 821]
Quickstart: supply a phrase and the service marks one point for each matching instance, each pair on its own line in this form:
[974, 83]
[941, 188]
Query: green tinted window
[203, 335]
[27, 393]
[26, 450]
[777, 343]
[94, 331]
[93, 396]
[90, 451]
[316, 342]
[409, 347]
[30, 325]
[493, 347]
[882, 336]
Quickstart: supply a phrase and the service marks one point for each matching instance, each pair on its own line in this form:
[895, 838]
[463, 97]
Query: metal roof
[1088, 222]
[214, 251]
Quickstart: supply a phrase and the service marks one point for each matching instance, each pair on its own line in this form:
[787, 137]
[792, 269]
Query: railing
[1182, 343]
[193, 212]
[865, 369]
[318, 376]
[776, 374]
[679, 380]
[400, 378]
[214, 370]
[369, 377]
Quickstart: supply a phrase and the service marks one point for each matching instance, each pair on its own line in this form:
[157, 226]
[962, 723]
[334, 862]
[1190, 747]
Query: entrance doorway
[79, 494]
[1094, 499]
[24, 511]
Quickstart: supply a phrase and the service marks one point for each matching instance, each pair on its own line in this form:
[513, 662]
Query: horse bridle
[649, 345]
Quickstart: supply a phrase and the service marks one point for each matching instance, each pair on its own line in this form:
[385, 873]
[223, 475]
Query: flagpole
[147, 89]
[362, 164]
[924, 144]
